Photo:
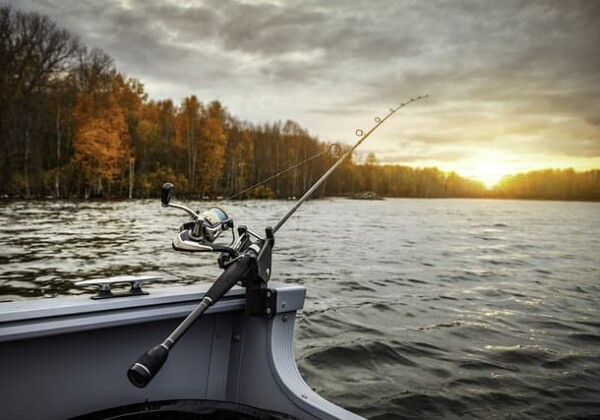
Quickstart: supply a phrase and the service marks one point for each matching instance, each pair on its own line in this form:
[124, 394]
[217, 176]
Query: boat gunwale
[42, 317]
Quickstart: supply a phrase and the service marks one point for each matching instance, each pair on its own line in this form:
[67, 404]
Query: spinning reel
[200, 233]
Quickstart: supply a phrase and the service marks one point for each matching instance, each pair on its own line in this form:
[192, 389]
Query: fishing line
[334, 150]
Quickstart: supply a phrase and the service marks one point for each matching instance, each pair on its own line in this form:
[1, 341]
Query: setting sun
[485, 166]
[488, 168]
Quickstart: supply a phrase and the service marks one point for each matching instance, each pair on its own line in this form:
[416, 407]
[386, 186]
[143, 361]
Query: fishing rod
[246, 260]
[360, 133]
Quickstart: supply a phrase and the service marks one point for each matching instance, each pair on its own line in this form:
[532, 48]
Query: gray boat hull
[67, 357]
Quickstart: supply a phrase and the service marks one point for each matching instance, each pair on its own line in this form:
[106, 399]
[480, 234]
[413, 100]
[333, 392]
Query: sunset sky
[513, 85]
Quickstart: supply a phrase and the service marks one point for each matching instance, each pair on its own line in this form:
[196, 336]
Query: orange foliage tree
[101, 147]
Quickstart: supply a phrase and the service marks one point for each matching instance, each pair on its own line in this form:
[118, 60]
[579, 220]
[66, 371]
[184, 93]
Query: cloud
[517, 74]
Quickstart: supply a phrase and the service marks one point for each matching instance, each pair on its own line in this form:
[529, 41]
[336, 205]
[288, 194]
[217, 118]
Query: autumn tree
[101, 143]
[157, 156]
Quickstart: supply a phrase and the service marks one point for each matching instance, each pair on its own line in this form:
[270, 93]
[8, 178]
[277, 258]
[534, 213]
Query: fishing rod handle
[149, 364]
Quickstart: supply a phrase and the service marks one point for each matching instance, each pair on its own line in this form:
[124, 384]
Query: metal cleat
[106, 284]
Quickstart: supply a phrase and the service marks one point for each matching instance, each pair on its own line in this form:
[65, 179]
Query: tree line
[72, 125]
[551, 184]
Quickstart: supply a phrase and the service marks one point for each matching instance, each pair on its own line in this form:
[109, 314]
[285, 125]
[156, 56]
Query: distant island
[367, 195]
[73, 126]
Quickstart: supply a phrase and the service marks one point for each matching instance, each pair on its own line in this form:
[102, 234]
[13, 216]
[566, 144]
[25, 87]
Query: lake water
[415, 308]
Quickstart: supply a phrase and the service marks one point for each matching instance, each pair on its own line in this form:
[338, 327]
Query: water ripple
[415, 308]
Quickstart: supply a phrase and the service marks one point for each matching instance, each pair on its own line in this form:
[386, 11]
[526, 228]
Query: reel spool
[213, 222]
[200, 234]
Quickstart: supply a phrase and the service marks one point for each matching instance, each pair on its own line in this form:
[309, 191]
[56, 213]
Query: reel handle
[165, 196]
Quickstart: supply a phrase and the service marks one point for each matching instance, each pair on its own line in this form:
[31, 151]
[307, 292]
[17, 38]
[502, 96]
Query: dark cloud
[268, 29]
